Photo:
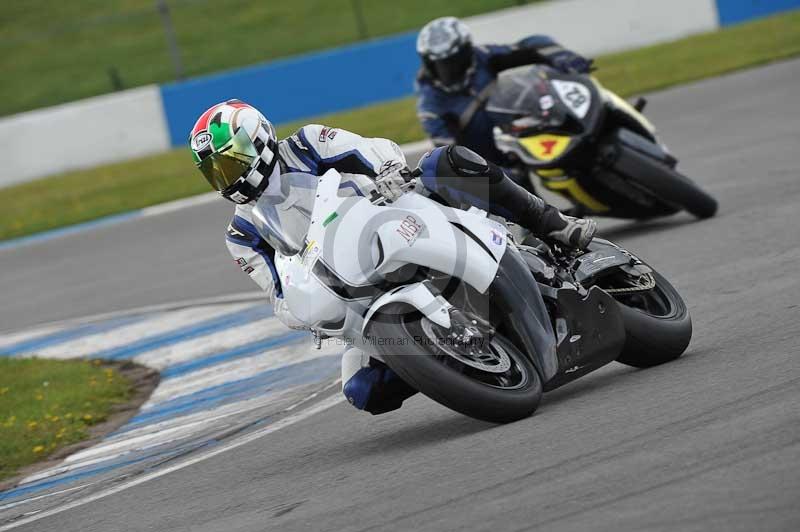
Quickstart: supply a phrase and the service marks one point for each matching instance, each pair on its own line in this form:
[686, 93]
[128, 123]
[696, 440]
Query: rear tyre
[666, 183]
[657, 325]
[450, 375]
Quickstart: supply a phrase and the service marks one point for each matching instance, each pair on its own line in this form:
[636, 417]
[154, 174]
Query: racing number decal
[575, 98]
[575, 95]
[545, 147]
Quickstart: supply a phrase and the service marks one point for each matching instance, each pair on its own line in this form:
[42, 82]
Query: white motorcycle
[453, 304]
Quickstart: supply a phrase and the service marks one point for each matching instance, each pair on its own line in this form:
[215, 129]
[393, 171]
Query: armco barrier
[384, 69]
[735, 11]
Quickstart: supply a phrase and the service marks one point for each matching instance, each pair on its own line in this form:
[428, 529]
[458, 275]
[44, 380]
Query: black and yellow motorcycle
[590, 146]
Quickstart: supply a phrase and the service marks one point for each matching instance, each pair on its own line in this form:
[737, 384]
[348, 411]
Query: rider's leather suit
[464, 178]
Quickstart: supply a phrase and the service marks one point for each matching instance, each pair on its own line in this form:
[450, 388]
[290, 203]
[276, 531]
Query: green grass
[48, 404]
[85, 195]
[53, 51]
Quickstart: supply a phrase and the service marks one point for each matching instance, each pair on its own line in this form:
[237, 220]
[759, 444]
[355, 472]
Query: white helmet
[445, 46]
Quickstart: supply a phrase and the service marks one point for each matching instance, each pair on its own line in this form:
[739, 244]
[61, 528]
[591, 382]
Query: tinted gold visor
[224, 167]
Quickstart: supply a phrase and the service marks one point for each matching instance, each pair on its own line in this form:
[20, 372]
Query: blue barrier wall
[343, 78]
[735, 11]
[290, 89]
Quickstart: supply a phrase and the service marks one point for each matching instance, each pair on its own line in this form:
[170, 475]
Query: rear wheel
[487, 377]
[657, 323]
[666, 183]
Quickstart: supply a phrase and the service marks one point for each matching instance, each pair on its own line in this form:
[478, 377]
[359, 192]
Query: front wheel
[490, 379]
[666, 183]
[658, 327]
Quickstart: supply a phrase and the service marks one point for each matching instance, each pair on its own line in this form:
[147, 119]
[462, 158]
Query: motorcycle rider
[237, 150]
[457, 77]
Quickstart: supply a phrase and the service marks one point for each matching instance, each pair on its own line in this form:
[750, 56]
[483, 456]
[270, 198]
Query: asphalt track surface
[709, 442]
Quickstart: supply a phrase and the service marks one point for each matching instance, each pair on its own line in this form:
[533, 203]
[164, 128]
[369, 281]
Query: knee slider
[376, 389]
[360, 386]
[466, 162]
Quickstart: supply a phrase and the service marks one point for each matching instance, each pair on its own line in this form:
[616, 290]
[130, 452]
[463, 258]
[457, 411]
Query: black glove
[571, 63]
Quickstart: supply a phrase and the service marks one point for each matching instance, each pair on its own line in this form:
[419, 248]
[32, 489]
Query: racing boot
[576, 232]
[505, 198]
[534, 214]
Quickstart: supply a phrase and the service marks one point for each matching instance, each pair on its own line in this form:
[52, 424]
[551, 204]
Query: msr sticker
[409, 229]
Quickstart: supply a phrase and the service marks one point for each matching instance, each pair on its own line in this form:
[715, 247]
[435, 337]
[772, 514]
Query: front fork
[515, 293]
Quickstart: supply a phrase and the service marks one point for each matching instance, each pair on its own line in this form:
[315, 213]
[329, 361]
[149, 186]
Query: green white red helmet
[235, 147]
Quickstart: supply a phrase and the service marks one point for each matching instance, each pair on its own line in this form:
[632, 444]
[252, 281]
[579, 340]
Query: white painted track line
[278, 425]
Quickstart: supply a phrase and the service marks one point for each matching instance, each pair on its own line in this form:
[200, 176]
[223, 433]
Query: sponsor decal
[389, 167]
[409, 229]
[297, 142]
[327, 133]
[545, 147]
[310, 253]
[201, 140]
[242, 263]
[548, 146]
[546, 102]
[238, 197]
[234, 232]
[497, 238]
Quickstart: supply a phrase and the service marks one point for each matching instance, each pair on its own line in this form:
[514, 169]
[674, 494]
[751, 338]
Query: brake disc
[471, 350]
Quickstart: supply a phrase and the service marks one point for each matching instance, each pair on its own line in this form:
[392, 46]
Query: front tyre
[492, 381]
[657, 324]
[666, 183]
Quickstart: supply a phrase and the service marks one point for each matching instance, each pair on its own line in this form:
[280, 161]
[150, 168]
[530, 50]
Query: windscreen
[283, 214]
[523, 99]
